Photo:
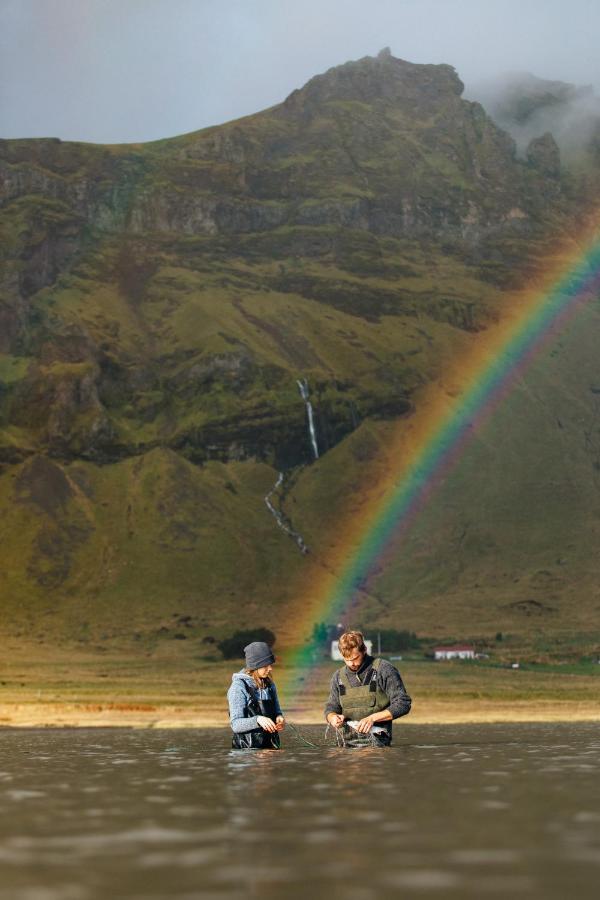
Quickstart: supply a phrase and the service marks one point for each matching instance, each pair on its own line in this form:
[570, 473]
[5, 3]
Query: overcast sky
[136, 70]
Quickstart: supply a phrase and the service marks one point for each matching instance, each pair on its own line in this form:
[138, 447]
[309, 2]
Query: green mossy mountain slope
[159, 304]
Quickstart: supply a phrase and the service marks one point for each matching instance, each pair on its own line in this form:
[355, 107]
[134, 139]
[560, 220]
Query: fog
[528, 107]
[136, 70]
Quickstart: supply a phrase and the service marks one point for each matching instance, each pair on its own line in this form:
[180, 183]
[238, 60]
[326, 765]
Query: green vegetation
[12, 368]
[233, 647]
[392, 640]
[159, 305]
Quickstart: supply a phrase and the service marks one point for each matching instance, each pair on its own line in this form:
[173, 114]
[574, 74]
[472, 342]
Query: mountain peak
[382, 77]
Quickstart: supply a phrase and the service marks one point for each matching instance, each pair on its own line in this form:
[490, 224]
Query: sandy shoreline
[114, 715]
[71, 690]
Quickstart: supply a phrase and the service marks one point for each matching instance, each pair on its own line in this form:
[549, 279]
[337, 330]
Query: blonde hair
[351, 640]
[258, 681]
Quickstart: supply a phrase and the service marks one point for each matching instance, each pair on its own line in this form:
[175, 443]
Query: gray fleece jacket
[388, 680]
[240, 693]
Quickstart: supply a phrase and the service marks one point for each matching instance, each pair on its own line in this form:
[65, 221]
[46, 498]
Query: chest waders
[258, 739]
[364, 699]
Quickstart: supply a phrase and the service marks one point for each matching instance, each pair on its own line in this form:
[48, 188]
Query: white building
[458, 651]
[335, 650]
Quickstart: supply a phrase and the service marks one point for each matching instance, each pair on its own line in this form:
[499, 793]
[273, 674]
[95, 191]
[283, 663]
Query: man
[367, 692]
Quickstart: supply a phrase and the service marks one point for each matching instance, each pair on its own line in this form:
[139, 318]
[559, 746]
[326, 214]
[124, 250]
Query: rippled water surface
[448, 811]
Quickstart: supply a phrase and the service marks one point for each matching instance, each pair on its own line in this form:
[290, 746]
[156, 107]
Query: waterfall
[280, 518]
[303, 387]
[282, 521]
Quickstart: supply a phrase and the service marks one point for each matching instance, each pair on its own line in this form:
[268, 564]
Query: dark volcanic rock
[543, 154]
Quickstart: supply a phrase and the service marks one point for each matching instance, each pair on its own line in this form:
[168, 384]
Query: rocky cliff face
[323, 198]
[165, 298]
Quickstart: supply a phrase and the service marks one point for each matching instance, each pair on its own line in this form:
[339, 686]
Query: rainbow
[429, 446]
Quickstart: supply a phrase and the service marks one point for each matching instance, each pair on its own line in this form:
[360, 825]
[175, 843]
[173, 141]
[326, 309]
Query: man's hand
[365, 725]
[266, 724]
[335, 719]
[279, 723]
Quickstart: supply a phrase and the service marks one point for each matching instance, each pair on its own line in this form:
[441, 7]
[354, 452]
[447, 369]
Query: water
[303, 387]
[448, 811]
[279, 517]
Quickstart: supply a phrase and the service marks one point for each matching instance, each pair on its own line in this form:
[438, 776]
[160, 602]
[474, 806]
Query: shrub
[391, 640]
[319, 633]
[233, 647]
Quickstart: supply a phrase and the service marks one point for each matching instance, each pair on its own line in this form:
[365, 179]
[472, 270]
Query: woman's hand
[279, 723]
[266, 724]
[335, 719]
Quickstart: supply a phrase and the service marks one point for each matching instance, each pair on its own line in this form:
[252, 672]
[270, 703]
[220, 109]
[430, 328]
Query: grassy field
[169, 689]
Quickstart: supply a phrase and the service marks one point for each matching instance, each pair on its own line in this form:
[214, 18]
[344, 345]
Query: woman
[254, 711]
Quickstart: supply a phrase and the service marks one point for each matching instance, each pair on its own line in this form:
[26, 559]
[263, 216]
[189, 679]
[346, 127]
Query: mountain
[160, 304]
[529, 107]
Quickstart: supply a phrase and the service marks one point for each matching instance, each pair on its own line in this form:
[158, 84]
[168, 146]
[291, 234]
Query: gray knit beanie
[258, 654]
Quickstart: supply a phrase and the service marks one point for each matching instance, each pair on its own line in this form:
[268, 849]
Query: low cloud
[528, 107]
